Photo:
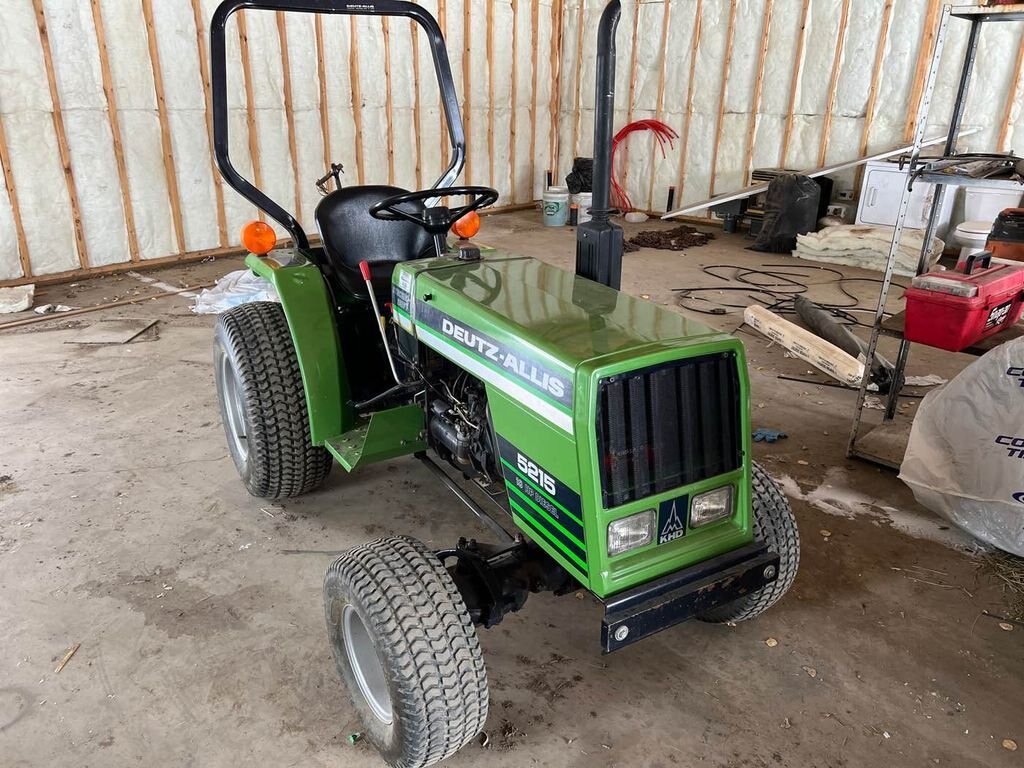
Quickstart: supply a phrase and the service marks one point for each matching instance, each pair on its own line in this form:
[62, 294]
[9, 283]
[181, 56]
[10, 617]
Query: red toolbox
[953, 310]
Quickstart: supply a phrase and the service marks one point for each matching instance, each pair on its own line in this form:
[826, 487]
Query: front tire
[406, 649]
[775, 525]
[263, 403]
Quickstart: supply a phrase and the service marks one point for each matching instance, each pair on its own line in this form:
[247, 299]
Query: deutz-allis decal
[551, 509]
[513, 362]
[672, 519]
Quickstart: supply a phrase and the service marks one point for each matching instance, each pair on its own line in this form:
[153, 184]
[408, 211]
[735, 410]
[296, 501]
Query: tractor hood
[536, 332]
[539, 307]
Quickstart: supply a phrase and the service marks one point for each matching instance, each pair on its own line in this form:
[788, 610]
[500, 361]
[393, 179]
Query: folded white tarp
[965, 459]
[858, 245]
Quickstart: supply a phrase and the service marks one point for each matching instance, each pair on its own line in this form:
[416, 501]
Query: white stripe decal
[403, 322]
[524, 396]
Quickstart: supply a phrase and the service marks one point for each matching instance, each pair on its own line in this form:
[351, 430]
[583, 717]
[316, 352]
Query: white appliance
[981, 207]
[880, 199]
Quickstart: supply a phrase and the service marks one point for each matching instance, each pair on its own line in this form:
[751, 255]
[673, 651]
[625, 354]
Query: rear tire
[775, 525]
[263, 403]
[406, 649]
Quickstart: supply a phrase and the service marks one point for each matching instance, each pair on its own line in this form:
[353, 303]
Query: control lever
[335, 173]
[364, 269]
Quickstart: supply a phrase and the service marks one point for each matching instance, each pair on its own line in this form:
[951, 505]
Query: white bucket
[556, 206]
[583, 201]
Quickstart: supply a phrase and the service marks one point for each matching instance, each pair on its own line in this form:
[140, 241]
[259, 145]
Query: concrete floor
[123, 528]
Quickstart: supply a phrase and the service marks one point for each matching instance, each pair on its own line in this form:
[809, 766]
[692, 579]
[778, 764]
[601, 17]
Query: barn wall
[129, 112]
[104, 107]
[769, 83]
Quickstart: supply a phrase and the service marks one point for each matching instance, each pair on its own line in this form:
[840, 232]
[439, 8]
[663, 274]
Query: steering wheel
[433, 220]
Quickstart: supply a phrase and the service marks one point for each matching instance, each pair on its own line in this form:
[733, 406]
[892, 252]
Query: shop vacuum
[1006, 240]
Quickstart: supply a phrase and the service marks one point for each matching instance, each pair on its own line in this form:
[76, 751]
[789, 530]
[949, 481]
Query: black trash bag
[581, 178]
[791, 209]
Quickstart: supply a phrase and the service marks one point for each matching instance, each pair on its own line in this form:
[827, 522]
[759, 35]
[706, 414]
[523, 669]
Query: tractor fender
[311, 322]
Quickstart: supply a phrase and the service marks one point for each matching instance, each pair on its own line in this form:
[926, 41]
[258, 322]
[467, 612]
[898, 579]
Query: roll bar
[218, 67]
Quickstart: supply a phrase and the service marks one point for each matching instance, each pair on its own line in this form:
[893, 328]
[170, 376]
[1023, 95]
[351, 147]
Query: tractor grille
[666, 426]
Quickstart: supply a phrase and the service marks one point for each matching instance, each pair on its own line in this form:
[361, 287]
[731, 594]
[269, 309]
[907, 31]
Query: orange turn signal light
[467, 226]
[259, 238]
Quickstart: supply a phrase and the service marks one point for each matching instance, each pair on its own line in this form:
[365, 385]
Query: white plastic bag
[965, 459]
[233, 289]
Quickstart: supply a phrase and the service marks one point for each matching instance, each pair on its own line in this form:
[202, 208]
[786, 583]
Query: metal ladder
[977, 16]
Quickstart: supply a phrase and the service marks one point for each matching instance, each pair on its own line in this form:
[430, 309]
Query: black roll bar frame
[218, 73]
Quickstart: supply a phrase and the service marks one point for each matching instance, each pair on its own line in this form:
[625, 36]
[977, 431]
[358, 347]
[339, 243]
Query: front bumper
[640, 612]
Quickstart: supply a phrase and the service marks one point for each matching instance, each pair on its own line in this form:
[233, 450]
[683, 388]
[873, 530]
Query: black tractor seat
[351, 235]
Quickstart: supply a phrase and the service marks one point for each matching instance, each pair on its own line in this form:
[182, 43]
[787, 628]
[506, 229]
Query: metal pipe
[599, 242]
[604, 111]
[495, 527]
[364, 268]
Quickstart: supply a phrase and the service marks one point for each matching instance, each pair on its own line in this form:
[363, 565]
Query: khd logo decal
[672, 519]
[1019, 497]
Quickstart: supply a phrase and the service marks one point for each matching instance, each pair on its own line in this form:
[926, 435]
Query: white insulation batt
[855, 245]
[509, 89]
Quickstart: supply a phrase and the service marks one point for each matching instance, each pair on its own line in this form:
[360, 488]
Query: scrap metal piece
[824, 325]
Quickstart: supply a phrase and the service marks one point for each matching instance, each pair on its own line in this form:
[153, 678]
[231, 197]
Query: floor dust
[835, 497]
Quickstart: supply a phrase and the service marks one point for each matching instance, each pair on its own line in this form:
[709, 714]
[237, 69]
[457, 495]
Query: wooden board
[115, 130]
[166, 143]
[204, 70]
[62, 139]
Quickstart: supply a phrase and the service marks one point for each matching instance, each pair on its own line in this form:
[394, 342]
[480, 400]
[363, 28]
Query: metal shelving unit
[860, 445]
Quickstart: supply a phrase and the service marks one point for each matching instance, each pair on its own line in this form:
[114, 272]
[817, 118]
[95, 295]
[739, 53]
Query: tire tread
[432, 649]
[283, 460]
[775, 525]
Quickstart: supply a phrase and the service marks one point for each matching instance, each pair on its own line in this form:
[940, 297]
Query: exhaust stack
[599, 242]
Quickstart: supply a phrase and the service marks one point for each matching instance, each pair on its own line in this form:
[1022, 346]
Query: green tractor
[604, 441]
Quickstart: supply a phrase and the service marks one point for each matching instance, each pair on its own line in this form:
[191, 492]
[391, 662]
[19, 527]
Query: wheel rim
[234, 408]
[366, 666]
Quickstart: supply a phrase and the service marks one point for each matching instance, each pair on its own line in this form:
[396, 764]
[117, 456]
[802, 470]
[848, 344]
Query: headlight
[711, 506]
[630, 532]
